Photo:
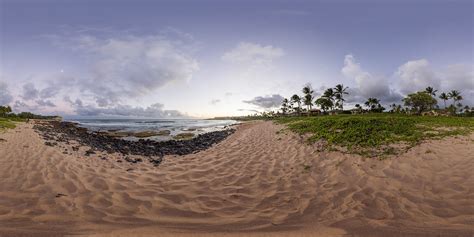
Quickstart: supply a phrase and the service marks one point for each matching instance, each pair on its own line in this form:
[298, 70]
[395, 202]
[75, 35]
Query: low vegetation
[8, 118]
[5, 123]
[376, 133]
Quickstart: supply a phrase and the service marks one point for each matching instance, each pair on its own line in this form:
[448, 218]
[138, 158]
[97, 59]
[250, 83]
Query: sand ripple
[255, 180]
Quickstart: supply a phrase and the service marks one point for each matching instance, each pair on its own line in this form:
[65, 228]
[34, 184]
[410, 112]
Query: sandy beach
[257, 182]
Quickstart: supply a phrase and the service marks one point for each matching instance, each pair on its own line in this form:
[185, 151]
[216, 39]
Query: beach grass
[360, 133]
[6, 123]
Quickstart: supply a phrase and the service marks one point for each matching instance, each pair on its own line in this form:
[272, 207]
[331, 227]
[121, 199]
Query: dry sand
[255, 183]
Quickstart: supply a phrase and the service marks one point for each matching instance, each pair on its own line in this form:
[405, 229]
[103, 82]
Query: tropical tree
[393, 106]
[4, 110]
[357, 106]
[339, 92]
[324, 103]
[308, 96]
[398, 109]
[458, 98]
[284, 106]
[372, 103]
[444, 97]
[329, 94]
[419, 101]
[297, 99]
[454, 94]
[430, 90]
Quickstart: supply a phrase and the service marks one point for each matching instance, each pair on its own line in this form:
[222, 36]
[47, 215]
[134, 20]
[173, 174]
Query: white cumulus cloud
[417, 75]
[368, 85]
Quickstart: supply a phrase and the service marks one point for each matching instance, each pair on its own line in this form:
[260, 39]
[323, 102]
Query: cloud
[417, 75]
[459, 77]
[5, 96]
[367, 84]
[215, 101]
[266, 102]
[50, 91]
[251, 53]
[153, 111]
[249, 110]
[45, 103]
[129, 66]
[29, 92]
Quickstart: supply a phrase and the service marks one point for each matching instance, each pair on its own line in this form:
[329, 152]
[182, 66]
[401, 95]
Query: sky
[204, 58]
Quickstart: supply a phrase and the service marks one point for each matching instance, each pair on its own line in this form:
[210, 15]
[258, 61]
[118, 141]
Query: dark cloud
[50, 91]
[30, 92]
[130, 66]
[266, 102]
[45, 103]
[152, 111]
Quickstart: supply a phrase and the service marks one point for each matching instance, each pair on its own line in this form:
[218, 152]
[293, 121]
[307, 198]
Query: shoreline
[255, 182]
[54, 132]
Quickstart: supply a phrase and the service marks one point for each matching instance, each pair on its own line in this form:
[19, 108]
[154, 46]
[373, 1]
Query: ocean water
[175, 126]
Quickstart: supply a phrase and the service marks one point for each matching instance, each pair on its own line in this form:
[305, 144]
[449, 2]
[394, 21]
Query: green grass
[365, 133]
[5, 124]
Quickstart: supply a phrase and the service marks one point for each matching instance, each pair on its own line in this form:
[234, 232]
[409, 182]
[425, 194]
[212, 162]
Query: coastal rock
[184, 136]
[140, 134]
[64, 132]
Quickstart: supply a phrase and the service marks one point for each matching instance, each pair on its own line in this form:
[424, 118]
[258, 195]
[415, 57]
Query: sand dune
[257, 182]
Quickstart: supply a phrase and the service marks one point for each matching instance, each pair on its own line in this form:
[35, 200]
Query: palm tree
[284, 106]
[329, 94]
[430, 90]
[340, 91]
[372, 103]
[444, 97]
[308, 96]
[394, 106]
[399, 108]
[454, 94]
[4, 110]
[296, 99]
[324, 102]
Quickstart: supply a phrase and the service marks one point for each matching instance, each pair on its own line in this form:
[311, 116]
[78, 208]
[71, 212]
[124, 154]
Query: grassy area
[6, 123]
[374, 133]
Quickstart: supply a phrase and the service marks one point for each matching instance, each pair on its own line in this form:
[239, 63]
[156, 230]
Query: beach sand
[257, 182]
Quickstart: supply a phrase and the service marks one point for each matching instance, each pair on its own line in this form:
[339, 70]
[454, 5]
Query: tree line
[6, 112]
[332, 100]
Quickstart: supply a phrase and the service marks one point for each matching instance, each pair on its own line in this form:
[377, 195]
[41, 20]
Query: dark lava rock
[66, 131]
[50, 143]
[60, 195]
[89, 152]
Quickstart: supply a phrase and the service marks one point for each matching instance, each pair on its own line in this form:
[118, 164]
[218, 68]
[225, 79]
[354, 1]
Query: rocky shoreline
[54, 132]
